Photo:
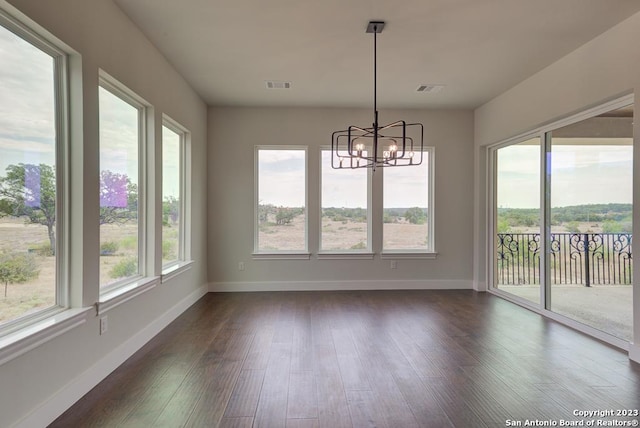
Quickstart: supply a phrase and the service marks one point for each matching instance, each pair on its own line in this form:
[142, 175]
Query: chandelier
[396, 144]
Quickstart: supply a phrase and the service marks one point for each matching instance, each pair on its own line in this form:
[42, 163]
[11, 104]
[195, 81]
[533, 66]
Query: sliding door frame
[544, 133]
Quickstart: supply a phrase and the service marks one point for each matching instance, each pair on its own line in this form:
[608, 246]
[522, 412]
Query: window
[173, 191]
[121, 155]
[281, 200]
[408, 207]
[33, 107]
[345, 208]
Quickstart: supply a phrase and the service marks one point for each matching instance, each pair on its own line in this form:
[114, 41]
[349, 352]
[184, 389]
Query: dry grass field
[341, 235]
[17, 236]
[38, 293]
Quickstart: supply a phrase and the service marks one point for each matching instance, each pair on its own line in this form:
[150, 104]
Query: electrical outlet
[240, 265]
[104, 325]
[394, 264]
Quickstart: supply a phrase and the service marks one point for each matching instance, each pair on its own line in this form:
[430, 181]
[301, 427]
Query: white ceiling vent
[277, 84]
[430, 88]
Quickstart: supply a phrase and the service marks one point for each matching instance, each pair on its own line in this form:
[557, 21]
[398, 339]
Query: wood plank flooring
[359, 359]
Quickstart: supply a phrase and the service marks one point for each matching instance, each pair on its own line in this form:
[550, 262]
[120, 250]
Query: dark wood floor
[375, 358]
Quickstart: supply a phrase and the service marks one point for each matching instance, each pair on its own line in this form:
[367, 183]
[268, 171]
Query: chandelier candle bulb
[393, 149]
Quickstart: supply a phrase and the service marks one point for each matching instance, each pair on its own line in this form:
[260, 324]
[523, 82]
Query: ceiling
[227, 49]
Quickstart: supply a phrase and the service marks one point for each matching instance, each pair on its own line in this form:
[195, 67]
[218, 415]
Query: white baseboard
[48, 411]
[634, 352]
[429, 284]
[480, 286]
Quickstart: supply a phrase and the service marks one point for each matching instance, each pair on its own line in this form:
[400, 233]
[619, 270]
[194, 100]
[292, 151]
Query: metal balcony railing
[575, 258]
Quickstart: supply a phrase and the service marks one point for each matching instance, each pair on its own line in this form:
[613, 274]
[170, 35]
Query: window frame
[280, 254]
[184, 186]
[60, 56]
[430, 251]
[366, 253]
[118, 89]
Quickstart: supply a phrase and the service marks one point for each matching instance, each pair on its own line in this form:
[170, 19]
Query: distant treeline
[593, 213]
[271, 214]
[414, 215]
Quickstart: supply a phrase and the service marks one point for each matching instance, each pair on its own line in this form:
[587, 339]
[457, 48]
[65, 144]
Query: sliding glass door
[562, 220]
[517, 220]
[590, 183]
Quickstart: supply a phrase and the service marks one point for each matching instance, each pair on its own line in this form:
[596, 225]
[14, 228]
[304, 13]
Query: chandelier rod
[375, 92]
[375, 70]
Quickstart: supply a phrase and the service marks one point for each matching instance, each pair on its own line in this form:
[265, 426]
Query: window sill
[15, 344]
[172, 271]
[120, 295]
[345, 255]
[407, 255]
[281, 256]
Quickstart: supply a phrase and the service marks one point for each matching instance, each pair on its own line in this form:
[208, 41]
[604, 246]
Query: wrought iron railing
[576, 258]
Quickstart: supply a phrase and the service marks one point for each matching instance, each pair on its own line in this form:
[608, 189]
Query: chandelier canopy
[396, 144]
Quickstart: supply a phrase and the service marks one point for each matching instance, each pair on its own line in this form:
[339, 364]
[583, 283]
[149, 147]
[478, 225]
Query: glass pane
[27, 178]
[591, 219]
[406, 211]
[171, 204]
[119, 157]
[344, 207]
[517, 263]
[281, 200]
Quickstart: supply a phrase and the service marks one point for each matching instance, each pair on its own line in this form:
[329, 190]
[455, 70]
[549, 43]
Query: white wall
[602, 69]
[35, 385]
[233, 133]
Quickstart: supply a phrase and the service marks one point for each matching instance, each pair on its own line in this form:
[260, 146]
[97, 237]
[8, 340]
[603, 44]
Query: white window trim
[280, 254]
[109, 83]
[184, 250]
[30, 337]
[22, 329]
[170, 272]
[346, 253]
[430, 251]
[404, 254]
[115, 297]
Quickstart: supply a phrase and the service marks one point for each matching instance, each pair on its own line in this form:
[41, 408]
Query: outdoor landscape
[607, 218]
[28, 239]
[282, 228]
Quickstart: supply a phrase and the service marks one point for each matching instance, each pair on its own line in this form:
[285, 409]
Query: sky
[406, 187]
[170, 163]
[342, 188]
[119, 151]
[27, 120]
[281, 177]
[584, 174]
